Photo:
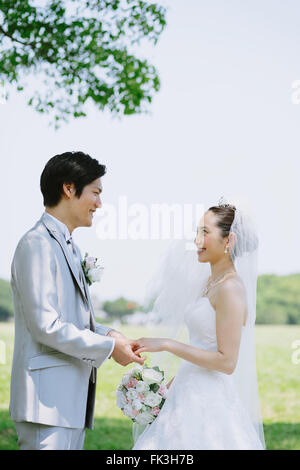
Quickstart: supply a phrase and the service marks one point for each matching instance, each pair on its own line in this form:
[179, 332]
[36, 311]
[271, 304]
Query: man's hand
[123, 352]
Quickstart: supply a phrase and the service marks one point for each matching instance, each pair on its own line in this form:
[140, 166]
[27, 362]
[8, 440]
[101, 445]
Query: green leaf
[154, 387]
[82, 56]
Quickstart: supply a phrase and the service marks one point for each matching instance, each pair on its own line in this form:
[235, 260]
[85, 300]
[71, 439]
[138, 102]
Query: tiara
[223, 203]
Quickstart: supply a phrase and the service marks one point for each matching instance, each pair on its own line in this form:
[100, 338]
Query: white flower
[121, 400]
[125, 379]
[152, 399]
[142, 387]
[144, 418]
[152, 376]
[131, 394]
[127, 410]
[136, 369]
[136, 405]
[95, 274]
[92, 271]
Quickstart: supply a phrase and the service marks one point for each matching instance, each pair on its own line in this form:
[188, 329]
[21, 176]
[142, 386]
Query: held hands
[150, 345]
[153, 345]
[125, 349]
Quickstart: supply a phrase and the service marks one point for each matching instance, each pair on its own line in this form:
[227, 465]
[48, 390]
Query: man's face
[83, 209]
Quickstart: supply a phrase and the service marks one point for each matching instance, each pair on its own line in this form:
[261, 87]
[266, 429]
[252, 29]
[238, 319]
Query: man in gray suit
[58, 343]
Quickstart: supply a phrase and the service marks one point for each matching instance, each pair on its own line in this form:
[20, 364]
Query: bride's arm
[170, 383]
[230, 307]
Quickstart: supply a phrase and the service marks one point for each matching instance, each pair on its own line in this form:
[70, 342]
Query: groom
[58, 343]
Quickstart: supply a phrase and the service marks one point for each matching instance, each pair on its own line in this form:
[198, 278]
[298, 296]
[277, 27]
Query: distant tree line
[278, 301]
[120, 307]
[6, 304]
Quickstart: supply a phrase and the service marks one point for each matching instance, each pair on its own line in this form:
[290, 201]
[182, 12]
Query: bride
[213, 400]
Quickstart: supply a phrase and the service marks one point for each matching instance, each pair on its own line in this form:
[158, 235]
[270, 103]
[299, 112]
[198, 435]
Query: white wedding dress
[203, 410]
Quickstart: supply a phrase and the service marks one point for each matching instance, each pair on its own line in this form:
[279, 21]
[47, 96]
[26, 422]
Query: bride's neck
[220, 267]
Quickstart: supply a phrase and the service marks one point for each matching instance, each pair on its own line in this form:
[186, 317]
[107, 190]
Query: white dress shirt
[69, 240]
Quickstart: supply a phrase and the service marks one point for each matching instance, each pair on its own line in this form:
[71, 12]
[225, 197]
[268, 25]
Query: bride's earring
[226, 251]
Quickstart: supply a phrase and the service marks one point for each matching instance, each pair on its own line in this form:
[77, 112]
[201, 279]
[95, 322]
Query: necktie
[76, 258]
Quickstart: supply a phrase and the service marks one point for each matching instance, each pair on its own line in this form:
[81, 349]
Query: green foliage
[278, 299]
[154, 387]
[6, 304]
[120, 307]
[82, 51]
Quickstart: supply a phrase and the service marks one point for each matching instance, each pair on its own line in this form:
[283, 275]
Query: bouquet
[92, 271]
[142, 393]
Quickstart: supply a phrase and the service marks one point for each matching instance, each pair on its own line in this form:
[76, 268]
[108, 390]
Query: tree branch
[14, 39]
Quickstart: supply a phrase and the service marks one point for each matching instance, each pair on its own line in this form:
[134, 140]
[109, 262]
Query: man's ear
[68, 189]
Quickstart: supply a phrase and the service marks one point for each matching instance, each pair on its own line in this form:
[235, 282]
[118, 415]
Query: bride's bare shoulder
[231, 289]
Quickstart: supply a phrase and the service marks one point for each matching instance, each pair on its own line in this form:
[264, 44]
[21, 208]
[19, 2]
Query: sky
[225, 123]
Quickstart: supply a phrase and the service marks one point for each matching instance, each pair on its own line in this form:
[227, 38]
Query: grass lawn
[279, 384]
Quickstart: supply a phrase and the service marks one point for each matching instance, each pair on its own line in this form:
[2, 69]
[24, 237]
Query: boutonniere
[92, 271]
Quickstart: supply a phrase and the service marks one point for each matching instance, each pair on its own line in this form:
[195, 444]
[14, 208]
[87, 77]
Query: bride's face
[209, 241]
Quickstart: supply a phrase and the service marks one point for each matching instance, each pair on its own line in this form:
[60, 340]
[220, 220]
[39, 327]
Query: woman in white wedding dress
[204, 409]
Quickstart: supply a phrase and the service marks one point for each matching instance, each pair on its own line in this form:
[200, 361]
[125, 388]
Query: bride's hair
[225, 217]
[246, 237]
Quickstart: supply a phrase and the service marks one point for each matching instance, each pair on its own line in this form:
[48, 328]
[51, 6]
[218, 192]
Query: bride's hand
[149, 345]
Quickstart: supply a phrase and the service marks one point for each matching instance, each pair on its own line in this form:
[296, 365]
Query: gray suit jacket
[58, 344]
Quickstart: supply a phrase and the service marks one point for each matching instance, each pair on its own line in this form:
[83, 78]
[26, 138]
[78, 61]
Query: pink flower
[141, 397]
[156, 411]
[162, 390]
[135, 413]
[90, 261]
[131, 383]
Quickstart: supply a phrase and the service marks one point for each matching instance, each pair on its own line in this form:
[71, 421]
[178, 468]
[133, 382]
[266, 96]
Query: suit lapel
[54, 232]
[86, 288]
